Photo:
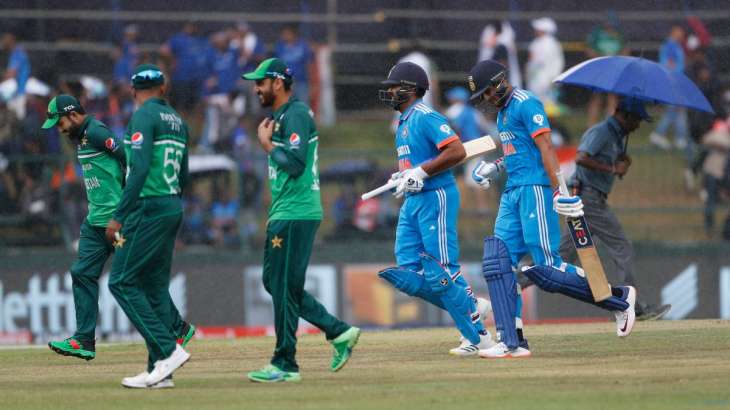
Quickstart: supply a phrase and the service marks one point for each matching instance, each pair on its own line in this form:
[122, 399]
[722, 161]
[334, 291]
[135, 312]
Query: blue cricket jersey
[519, 121]
[421, 134]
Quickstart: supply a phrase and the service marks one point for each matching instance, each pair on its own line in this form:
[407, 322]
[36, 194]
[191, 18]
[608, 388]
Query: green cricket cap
[60, 105]
[270, 68]
[147, 76]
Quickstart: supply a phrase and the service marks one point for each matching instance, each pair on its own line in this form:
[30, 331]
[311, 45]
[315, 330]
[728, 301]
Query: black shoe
[653, 312]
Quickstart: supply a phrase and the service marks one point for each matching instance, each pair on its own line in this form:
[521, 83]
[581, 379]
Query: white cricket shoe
[138, 382]
[467, 348]
[625, 319]
[166, 367]
[500, 351]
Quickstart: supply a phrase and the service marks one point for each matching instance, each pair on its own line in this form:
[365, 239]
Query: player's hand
[621, 167]
[567, 205]
[410, 180]
[265, 133]
[112, 231]
[483, 173]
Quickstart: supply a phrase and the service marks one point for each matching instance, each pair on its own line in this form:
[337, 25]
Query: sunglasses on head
[147, 75]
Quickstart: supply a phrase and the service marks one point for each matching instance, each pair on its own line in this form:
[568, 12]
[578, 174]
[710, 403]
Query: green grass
[662, 365]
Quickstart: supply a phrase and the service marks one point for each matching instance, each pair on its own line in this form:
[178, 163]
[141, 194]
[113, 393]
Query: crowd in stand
[204, 71]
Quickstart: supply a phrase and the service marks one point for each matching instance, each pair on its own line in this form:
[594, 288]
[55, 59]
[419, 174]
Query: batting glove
[567, 205]
[410, 180]
[483, 173]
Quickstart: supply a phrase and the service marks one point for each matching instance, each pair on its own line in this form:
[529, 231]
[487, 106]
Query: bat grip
[379, 190]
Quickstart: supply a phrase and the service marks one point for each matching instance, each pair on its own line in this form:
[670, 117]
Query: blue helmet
[411, 78]
[488, 74]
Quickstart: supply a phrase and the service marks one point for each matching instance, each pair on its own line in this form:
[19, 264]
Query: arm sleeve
[533, 117]
[139, 162]
[436, 128]
[104, 140]
[184, 176]
[592, 142]
[291, 155]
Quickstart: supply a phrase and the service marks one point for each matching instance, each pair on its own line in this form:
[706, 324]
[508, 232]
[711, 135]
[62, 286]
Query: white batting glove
[567, 205]
[483, 173]
[410, 180]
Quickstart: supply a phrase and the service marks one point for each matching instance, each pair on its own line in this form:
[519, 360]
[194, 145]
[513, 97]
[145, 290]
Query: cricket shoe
[272, 374]
[625, 319]
[165, 367]
[501, 351]
[138, 382]
[75, 348]
[188, 331]
[467, 348]
[660, 141]
[343, 345]
[652, 312]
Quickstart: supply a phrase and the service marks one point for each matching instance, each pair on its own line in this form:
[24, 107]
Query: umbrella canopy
[638, 78]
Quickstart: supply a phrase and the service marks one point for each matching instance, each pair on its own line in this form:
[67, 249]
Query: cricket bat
[586, 249]
[473, 148]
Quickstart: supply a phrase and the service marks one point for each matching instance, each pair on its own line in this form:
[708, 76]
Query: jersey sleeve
[437, 129]
[533, 117]
[102, 139]
[592, 142]
[291, 154]
[141, 129]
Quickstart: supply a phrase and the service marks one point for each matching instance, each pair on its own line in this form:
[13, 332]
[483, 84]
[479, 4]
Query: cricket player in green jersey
[290, 138]
[102, 162]
[145, 224]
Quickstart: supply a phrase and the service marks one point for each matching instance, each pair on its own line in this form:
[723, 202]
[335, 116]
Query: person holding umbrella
[601, 157]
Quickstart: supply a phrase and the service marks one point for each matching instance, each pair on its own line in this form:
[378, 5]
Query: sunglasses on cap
[147, 75]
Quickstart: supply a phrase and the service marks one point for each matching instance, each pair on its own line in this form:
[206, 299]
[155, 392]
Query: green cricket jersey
[293, 173]
[157, 154]
[102, 159]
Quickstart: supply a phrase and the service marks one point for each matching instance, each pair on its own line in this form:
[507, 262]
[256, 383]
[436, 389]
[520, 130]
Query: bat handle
[379, 190]
[562, 185]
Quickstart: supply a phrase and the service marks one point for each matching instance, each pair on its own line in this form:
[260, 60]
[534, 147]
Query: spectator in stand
[298, 56]
[716, 144]
[126, 56]
[187, 57]
[604, 40]
[218, 91]
[251, 52]
[546, 60]
[498, 43]
[671, 55]
[18, 69]
[224, 226]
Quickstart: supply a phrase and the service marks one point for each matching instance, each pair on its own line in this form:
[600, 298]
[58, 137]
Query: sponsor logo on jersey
[446, 129]
[110, 144]
[538, 119]
[137, 138]
[294, 139]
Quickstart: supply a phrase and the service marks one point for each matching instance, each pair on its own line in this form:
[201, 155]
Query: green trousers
[140, 275]
[94, 250]
[286, 256]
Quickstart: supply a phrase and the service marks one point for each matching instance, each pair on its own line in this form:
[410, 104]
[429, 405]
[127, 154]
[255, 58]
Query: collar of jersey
[85, 125]
[283, 108]
[408, 112]
[614, 126]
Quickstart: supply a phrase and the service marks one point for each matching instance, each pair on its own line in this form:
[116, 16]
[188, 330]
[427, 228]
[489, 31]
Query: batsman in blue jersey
[426, 243]
[527, 220]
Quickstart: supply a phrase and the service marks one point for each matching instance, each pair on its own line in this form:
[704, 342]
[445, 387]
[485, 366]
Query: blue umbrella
[638, 78]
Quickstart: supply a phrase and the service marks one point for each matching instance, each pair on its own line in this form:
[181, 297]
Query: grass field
[662, 365]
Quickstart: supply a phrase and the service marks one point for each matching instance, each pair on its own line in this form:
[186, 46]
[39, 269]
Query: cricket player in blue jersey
[527, 220]
[426, 243]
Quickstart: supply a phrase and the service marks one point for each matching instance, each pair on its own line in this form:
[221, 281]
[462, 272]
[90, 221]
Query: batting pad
[411, 283]
[570, 284]
[497, 271]
[455, 299]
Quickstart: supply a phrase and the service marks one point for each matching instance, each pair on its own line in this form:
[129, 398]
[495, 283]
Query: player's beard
[73, 132]
[266, 97]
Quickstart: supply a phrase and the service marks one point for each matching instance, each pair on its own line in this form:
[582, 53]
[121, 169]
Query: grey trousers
[604, 226]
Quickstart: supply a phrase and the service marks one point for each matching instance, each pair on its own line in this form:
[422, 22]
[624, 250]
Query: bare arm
[549, 159]
[450, 155]
[620, 168]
